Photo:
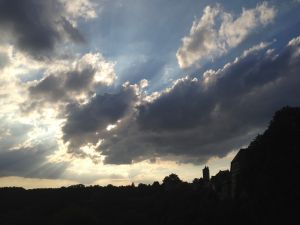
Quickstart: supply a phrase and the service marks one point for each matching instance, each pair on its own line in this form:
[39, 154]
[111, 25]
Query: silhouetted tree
[172, 181]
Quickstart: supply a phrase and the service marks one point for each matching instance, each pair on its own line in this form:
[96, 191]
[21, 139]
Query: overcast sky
[121, 91]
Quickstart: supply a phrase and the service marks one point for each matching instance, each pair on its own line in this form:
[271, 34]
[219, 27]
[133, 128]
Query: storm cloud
[77, 82]
[36, 27]
[197, 119]
[86, 123]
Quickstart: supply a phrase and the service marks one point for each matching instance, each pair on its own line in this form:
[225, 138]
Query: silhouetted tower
[205, 172]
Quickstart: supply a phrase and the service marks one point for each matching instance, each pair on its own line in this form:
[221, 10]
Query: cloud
[30, 162]
[80, 8]
[74, 81]
[210, 38]
[37, 27]
[86, 123]
[20, 155]
[29, 140]
[195, 120]
[4, 59]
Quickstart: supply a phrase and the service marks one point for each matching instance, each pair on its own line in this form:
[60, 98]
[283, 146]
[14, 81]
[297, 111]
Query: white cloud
[210, 76]
[201, 41]
[80, 8]
[295, 41]
[255, 48]
[208, 39]
[12, 93]
[235, 31]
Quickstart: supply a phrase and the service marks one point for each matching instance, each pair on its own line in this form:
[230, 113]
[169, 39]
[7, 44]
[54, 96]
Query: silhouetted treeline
[260, 188]
[145, 204]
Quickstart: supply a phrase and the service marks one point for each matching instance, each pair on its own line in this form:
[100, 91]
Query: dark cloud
[71, 31]
[49, 88]
[169, 110]
[36, 26]
[4, 60]
[196, 120]
[86, 122]
[30, 162]
[78, 82]
[18, 157]
[63, 86]
[12, 133]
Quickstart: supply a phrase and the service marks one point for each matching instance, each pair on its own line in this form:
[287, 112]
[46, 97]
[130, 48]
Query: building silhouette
[205, 173]
[238, 165]
[221, 183]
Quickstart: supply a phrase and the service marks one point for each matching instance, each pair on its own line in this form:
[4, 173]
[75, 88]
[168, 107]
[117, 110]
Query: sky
[121, 91]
